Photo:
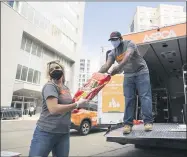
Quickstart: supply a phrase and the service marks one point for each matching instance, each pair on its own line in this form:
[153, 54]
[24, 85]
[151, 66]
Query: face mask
[116, 43]
[56, 74]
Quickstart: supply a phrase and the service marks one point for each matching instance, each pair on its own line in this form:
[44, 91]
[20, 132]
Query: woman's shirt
[55, 123]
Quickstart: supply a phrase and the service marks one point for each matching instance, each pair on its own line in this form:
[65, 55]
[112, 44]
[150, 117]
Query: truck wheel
[85, 128]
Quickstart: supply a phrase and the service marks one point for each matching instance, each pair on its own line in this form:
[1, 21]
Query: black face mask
[56, 74]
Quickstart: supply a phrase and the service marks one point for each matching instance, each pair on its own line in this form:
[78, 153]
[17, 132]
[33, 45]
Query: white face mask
[116, 43]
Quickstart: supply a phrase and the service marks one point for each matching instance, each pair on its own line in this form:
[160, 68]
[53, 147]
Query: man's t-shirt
[135, 65]
[55, 123]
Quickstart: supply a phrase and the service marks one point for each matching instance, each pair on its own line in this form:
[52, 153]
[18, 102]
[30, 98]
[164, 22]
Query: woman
[53, 126]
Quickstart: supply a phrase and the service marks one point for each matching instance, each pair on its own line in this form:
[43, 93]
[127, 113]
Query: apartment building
[147, 18]
[84, 71]
[32, 34]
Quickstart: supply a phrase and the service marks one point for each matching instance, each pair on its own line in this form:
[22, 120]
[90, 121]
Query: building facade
[33, 34]
[84, 71]
[147, 18]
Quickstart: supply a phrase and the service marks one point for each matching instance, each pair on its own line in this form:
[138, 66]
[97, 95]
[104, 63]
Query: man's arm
[107, 65]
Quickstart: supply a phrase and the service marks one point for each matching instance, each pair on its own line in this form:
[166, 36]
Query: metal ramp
[160, 131]
[163, 134]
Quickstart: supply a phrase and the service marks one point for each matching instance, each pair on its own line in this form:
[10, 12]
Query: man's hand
[115, 70]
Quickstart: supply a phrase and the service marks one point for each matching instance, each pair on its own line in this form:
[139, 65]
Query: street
[16, 136]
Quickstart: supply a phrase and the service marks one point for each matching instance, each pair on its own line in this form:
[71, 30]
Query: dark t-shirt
[55, 123]
[136, 65]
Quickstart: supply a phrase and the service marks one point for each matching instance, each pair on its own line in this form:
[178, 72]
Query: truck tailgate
[161, 134]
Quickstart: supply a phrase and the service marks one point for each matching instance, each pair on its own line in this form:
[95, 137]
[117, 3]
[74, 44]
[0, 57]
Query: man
[31, 110]
[136, 73]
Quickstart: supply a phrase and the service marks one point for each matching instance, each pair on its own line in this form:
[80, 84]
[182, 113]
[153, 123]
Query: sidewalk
[24, 117]
[27, 117]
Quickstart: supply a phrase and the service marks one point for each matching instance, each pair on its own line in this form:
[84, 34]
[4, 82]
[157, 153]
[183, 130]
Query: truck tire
[85, 128]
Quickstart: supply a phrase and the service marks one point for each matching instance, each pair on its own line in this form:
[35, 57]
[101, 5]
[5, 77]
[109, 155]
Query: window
[68, 24]
[23, 42]
[42, 23]
[82, 64]
[30, 13]
[30, 75]
[132, 26]
[24, 9]
[11, 3]
[68, 42]
[34, 48]
[28, 45]
[39, 76]
[24, 73]
[18, 73]
[36, 19]
[39, 51]
[36, 78]
[67, 6]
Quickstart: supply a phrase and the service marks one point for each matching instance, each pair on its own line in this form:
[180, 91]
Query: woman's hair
[55, 65]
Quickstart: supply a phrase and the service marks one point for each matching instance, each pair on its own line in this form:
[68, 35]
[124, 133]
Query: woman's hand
[82, 101]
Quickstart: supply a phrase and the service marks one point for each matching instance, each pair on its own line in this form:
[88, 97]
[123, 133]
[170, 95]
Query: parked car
[10, 112]
[84, 119]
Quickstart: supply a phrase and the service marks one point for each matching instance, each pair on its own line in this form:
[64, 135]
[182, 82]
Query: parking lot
[16, 136]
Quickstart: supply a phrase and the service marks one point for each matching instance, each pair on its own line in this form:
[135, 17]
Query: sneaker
[148, 127]
[127, 129]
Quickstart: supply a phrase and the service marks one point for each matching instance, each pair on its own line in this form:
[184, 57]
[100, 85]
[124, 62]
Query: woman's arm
[50, 94]
[55, 108]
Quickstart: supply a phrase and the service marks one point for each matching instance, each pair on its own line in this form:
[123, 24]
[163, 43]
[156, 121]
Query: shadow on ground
[147, 152]
[94, 131]
[157, 152]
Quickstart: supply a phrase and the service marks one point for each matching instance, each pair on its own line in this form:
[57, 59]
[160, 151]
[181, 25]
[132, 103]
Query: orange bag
[92, 87]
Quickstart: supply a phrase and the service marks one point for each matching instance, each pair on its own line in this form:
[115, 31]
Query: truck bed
[162, 134]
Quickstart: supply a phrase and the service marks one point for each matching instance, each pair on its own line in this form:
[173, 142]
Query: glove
[81, 101]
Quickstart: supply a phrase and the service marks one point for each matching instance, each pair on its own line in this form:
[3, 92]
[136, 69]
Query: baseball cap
[114, 35]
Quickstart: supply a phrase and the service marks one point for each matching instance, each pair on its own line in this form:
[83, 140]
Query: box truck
[164, 50]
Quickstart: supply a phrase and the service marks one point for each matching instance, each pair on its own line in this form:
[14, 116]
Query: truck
[164, 50]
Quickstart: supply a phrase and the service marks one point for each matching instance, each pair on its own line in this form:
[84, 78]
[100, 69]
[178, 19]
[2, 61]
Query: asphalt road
[16, 136]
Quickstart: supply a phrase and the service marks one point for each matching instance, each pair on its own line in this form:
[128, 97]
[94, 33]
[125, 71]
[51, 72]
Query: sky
[102, 18]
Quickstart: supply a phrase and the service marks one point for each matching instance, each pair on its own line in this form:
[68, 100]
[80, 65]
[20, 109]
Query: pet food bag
[92, 87]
